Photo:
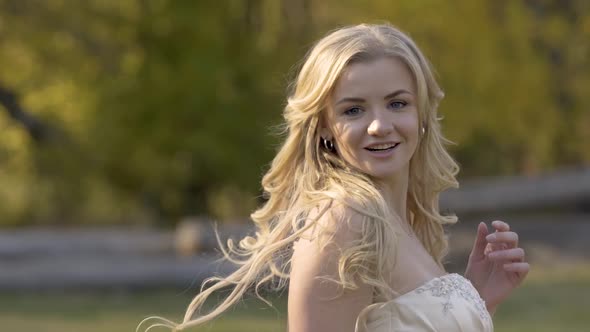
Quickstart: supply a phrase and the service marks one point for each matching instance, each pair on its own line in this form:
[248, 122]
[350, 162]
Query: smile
[382, 147]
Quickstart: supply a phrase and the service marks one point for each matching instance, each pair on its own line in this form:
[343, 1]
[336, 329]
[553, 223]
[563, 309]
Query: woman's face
[372, 117]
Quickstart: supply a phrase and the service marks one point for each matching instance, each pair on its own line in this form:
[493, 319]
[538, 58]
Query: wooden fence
[35, 259]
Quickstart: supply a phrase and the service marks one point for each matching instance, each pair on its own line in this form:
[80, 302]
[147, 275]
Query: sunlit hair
[305, 177]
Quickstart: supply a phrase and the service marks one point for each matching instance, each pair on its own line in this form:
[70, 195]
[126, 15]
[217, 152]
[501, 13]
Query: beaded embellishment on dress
[452, 285]
[448, 303]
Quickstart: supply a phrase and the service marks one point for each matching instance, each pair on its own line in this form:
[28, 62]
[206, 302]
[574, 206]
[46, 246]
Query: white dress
[447, 303]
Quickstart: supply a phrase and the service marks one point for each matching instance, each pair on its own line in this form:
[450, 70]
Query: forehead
[374, 78]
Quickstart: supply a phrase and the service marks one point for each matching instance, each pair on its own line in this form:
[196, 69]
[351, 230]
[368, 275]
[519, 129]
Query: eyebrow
[361, 100]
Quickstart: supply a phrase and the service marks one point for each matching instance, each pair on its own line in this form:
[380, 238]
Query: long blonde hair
[303, 176]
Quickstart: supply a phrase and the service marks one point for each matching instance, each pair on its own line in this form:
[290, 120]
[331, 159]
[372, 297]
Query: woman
[352, 218]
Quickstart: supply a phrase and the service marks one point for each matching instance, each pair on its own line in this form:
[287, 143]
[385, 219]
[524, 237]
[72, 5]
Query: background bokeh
[139, 114]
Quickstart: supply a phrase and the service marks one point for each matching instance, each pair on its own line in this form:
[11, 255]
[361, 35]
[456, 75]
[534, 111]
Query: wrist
[491, 307]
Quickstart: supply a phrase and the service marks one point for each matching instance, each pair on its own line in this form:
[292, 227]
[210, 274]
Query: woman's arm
[317, 305]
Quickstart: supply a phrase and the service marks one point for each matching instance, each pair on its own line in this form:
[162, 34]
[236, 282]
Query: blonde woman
[352, 223]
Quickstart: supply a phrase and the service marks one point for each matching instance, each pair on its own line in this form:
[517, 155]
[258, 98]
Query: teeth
[381, 146]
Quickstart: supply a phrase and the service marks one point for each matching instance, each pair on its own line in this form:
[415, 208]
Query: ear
[423, 129]
[325, 133]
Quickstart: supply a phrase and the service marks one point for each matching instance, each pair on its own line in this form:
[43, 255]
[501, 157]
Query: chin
[381, 175]
[385, 174]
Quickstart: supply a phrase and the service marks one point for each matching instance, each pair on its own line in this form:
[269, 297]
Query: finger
[522, 268]
[479, 246]
[510, 239]
[513, 255]
[500, 226]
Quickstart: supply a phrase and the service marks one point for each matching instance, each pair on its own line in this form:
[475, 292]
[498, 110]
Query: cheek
[348, 138]
[349, 134]
[410, 127]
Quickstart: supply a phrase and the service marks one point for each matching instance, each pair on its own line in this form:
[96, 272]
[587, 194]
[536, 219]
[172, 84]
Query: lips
[382, 147]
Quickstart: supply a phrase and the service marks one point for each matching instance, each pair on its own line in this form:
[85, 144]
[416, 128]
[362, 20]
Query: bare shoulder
[335, 223]
[314, 298]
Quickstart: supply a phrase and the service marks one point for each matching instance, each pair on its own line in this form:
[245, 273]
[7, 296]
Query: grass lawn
[552, 300]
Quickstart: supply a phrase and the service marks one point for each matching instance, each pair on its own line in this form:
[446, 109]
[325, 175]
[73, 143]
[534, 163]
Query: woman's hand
[496, 264]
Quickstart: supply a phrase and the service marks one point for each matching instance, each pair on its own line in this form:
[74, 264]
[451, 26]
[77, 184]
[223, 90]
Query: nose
[380, 126]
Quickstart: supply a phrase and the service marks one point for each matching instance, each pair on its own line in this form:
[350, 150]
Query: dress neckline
[425, 284]
[456, 285]
[446, 288]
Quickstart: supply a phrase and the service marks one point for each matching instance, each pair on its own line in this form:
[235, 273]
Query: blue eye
[398, 104]
[353, 111]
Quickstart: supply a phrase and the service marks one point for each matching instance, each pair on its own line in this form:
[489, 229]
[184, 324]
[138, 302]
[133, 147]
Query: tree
[163, 108]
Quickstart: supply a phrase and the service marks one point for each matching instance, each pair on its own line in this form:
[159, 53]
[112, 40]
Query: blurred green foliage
[154, 109]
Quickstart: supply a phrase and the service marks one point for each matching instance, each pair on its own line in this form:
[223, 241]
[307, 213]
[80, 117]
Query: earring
[328, 144]
[423, 131]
